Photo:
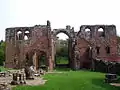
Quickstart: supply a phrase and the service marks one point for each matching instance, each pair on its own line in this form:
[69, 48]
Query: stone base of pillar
[18, 79]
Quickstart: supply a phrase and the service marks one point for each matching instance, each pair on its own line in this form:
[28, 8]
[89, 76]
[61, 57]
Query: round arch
[70, 35]
[33, 58]
[56, 32]
[83, 29]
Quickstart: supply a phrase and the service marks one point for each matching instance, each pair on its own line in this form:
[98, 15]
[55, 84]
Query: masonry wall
[100, 38]
[90, 42]
[21, 41]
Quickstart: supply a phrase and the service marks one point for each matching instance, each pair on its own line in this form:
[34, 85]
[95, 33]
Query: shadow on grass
[100, 82]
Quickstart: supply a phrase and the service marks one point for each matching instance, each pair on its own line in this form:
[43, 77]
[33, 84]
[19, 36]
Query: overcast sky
[15, 13]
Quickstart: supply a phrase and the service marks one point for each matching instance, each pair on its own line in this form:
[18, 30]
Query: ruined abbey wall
[23, 44]
[95, 42]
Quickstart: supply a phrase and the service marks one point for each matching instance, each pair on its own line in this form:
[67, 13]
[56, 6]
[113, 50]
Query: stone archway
[70, 33]
[33, 58]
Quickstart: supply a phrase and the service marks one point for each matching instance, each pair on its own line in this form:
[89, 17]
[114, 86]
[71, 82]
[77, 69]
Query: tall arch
[70, 33]
[101, 32]
[19, 35]
[56, 32]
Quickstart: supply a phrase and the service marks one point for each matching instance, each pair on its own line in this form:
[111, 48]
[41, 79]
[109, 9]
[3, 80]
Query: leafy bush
[2, 52]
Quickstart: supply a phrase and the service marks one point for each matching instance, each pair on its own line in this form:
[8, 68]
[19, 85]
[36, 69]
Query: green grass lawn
[72, 80]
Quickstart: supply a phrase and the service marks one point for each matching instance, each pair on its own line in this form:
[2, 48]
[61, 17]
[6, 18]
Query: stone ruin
[28, 44]
[24, 76]
[4, 86]
[18, 79]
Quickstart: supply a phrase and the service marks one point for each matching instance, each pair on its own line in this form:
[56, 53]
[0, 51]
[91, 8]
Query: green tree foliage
[62, 52]
[62, 48]
[2, 52]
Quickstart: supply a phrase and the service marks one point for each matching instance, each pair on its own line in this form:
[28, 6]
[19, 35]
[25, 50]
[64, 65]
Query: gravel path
[36, 81]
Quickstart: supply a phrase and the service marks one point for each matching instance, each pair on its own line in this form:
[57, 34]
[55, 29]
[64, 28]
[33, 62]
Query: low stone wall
[107, 67]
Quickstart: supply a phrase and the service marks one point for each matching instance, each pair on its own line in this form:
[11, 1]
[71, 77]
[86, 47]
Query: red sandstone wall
[83, 46]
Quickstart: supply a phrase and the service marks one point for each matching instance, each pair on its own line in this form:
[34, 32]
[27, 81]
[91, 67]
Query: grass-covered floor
[5, 69]
[2, 68]
[72, 80]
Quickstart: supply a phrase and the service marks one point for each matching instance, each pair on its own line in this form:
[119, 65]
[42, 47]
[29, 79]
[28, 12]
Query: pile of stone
[4, 86]
[39, 72]
[18, 79]
[2, 74]
[5, 73]
[42, 72]
[110, 78]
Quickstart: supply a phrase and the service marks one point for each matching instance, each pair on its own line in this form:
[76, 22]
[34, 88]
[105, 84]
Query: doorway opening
[37, 59]
[42, 61]
[62, 45]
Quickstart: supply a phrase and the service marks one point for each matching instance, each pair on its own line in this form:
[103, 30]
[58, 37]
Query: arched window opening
[19, 35]
[14, 60]
[101, 32]
[19, 32]
[27, 31]
[62, 36]
[98, 50]
[26, 37]
[88, 33]
[87, 30]
[108, 50]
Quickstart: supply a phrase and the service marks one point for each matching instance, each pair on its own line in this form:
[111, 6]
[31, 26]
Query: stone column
[35, 61]
[53, 52]
[20, 79]
[15, 79]
[50, 63]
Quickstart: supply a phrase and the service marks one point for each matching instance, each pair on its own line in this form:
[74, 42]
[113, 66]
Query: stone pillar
[50, 63]
[35, 61]
[23, 78]
[53, 53]
[15, 80]
[20, 78]
[14, 76]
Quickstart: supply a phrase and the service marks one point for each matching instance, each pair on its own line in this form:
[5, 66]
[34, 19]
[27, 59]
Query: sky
[20, 13]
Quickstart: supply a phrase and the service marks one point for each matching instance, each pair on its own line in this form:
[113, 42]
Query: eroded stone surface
[90, 42]
[5, 82]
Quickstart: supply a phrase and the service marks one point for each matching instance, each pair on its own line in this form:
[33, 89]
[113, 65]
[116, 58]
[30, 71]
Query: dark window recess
[19, 35]
[88, 33]
[101, 32]
[108, 50]
[15, 60]
[98, 50]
